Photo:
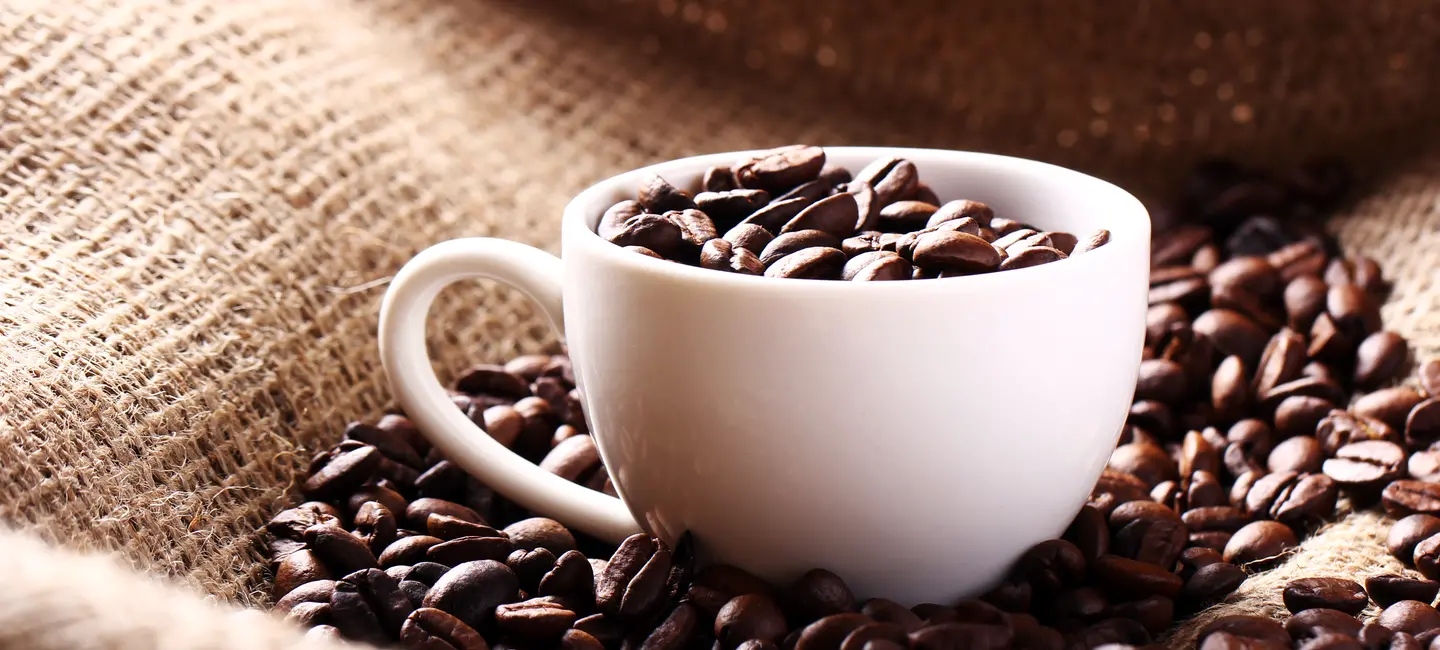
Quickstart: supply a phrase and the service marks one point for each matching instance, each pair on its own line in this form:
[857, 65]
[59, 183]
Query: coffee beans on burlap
[785, 213]
[1239, 443]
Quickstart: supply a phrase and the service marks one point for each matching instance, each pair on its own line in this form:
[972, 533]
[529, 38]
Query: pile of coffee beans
[1266, 401]
[786, 214]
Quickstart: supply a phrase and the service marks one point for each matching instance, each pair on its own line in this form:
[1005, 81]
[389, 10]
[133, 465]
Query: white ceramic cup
[914, 437]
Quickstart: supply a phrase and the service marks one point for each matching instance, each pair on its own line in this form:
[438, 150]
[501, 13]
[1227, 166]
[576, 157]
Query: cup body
[914, 437]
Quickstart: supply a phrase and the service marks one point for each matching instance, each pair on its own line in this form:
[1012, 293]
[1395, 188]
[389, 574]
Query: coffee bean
[1409, 616]
[1323, 388]
[1146, 462]
[428, 628]
[1156, 541]
[1154, 613]
[469, 549]
[292, 523]
[616, 217]
[651, 232]
[1366, 465]
[729, 207]
[808, 264]
[876, 266]
[829, 632]
[340, 551]
[503, 423]
[1328, 342]
[1405, 497]
[1233, 334]
[351, 613]
[1230, 390]
[1304, 299]
[419, 511]
[719, 179]
[747, 617]
[946, 636]
[1355, 313]
[1390, 405]
[1031, 256]
[1388, 589]
[1290, 498]
[793, 242]
[1089, 533]
[1422, 425]
[1375, 635]
[1298, 454]
[389, 443]
[1379, 359]
[633, 581]
[1424, 466]
[961, 209]
[1427, 557]
[1251, 628]
[446, 527]
[1328, 593]
[820, 593]
[571, 577]
[539, 532]
[538, 620]
[1210, 584]
[721, 255]
[1314, 622]
[894, 179]
[1282, 361]
[309, 614]
[904, 216]
[780, 169]
[342, 472]
[573, 456]
[870, 633]
[1409, 531]
[407, 550]
[956, 251]
[659, 196]
[1341, 428]
[811, 191]
[471, 591]
[1129, 579]
[775, 215]
[1299, 415]
[750, 237]
[837, 215]
[1260, 541]
[375, 526]
[1092, 241]
[892, 613]
[696, 227]
[318, 591]
[1161, 380]
[1050, 566]
[1189, 292]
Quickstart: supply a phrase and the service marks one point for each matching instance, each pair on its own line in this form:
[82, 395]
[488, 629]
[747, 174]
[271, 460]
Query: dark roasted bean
[1329, 593]
[1405, 497]
[1312, 622]
[428, 628]
[1260, 541]
[780, 169]
[472, 591]
[749, 617]
[1210, 584]
[1388, 589]
[1409, 616]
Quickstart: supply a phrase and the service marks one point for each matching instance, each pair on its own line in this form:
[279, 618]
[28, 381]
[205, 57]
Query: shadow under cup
[914, 437]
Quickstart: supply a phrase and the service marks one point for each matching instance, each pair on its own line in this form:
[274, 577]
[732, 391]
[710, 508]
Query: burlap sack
[202, 200]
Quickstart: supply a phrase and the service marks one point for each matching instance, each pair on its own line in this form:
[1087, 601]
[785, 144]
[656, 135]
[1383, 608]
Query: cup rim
[1131, 227]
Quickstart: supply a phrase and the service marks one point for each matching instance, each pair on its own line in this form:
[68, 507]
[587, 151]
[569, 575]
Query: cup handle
[407, 366]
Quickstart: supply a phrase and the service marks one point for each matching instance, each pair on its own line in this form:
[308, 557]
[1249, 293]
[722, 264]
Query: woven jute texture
[202, 199]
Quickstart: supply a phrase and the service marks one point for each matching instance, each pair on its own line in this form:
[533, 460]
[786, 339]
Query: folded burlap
[203, 199]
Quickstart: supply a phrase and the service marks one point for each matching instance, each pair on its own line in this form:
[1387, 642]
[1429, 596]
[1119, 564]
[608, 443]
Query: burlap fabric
[202, 201]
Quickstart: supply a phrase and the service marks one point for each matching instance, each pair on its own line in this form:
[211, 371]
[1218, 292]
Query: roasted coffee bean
[1251, 628]
[729, 207]
[487, 379]
[651, 232]
[820, 593]
[1299, 454]
[538, 620]
[1260, 541]
[634, 579]
[469, 549]
[778, 213]
[341, 551]
[947, 636]
[1341, 428]
[472, 591]
[371, 592]
[1089, 533]
[1422, 425]
[441, 480]
[1427, 557]
[1154, 613]
[292, 523]
[419, 511]
[343, 472]
[573, 456]
[1328, 593]
[872, 633]
[1140, 510]
[1146, 462]
[904, 216]
[894, 179]
[1189, 292]
[446, 527]
[1092, 241]
[1313, 622]
[1391, 406]
[1355, 313]
[793, 242]
[1328, 343]
[1161, 380]
[808, 264]
[318, 591]
[1124, 578]
[1031, 256]
[644, 251]
[1230, 390]
[829, 632]
[1050, 566]
[1177, 245]
[1408, 532]
[1116, 487]
[1282, 361]
[1405, 497]
[375, 526]
[1011, 596]
[1424, 466]
[407, 550]
[891, 612]
[1388, 589]
[1210, 584]
[696, 227]
[837, 215]
[780, 169]
[503, 423]
[721, 255]
[1304, 300]
[675, 632]
[1409, 616]
[956, 251]
[1300, 415]
[390, 443]
[309, 614]
[1085, 604]
[961, 209]
[1153, 416]
[1233, 334]
[1211, 539]
[351, 613]
[1217, 518]
[540, 532]
[810, 191]
[1366, 465]
[1379, 359]
[719, 179]
[1324, 388]
[876, 266]
[1375, 635]
[750, 237]
[659, 196]
[617, 217]
[749, 617]
[570, 577]
[1253, 274]
[428, 628]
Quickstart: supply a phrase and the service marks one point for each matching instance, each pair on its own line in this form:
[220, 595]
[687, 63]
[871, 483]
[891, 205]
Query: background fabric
[203, 199]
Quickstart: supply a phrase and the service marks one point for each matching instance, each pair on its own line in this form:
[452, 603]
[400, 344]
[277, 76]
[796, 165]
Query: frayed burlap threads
[200, 200]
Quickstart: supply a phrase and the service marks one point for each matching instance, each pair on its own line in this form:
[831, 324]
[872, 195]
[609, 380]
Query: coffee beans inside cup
[785, 213]
[1238, 446]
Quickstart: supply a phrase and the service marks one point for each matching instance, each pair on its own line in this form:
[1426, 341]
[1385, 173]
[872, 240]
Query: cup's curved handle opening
[407, 366]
